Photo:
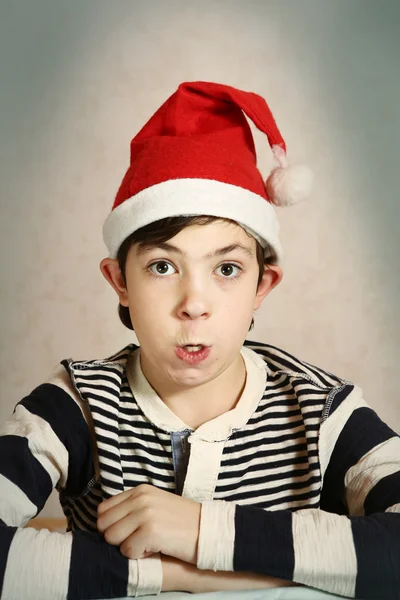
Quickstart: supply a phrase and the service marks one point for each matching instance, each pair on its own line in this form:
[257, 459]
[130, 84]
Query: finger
[118, 532]
[114, 500]
[140, 489]
[116, 513]
[129, 553]
[138, 545]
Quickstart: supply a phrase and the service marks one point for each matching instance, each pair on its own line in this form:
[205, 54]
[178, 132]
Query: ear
[111, 271]
[272, 276]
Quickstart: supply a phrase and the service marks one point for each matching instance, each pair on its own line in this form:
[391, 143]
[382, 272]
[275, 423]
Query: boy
[199, 461]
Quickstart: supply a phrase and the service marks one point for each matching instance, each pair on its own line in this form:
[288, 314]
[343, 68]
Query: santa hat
[196, 156]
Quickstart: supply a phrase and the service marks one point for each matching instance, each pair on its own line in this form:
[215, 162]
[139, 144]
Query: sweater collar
[217, 429]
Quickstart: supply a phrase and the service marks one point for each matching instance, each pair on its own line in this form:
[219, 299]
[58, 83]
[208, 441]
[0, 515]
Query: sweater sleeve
[47, 443]
[350, 546]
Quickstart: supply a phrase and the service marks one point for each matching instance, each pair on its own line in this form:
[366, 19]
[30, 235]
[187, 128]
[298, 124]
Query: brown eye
[160, 268]
[227, 270]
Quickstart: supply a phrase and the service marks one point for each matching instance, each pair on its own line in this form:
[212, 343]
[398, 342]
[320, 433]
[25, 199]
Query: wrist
[177, 574]
[217, 581]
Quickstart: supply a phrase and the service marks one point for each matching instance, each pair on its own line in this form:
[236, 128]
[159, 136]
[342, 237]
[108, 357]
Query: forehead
[205, 241]
[214, 231]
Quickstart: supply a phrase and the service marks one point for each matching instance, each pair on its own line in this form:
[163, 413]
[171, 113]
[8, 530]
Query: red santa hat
[196, 156]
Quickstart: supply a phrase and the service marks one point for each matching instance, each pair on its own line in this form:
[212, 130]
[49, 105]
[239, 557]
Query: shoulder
[280, 361]
[57, 401]
[100, 374]
[333, 400]
[118, 360]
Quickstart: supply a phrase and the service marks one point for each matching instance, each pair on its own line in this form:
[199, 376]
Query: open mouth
[193, 348]
[193, 354]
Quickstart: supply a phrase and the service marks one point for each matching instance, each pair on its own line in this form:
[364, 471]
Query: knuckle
[108, 536]
[128, 552]
[144, 503]
[142, 488]
[150, 529]
[148, 513]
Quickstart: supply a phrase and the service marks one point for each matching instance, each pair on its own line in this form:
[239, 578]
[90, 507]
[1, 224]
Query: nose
[194, 299]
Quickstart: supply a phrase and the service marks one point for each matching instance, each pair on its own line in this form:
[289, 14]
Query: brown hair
[165, 229]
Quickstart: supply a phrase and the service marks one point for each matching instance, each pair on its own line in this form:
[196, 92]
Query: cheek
[147, 305]
[242, 297]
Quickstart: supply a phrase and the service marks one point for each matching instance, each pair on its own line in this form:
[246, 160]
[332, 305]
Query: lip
[192, 358]
[193, 344]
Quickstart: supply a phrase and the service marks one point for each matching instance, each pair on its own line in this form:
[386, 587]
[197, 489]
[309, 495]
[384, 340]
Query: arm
[77, 565]
[146, 520]
[47, 443]
[185, 577]
[355, 554]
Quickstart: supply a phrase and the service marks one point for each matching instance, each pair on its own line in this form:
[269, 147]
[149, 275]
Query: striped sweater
[301, 480]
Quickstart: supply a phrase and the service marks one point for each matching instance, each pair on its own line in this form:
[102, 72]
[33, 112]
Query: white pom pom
[286, 186]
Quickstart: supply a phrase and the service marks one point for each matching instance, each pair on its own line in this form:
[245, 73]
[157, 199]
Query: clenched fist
[145, 520]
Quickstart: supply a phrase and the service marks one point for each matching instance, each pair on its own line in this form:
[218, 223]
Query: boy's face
[190, 294]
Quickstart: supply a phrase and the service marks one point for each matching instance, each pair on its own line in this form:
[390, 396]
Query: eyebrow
[147, 248]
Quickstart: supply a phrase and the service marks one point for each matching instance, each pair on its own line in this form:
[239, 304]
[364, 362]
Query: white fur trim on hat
[184, 197]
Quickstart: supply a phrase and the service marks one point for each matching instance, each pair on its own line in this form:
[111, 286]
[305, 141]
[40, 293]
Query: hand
[145, 520]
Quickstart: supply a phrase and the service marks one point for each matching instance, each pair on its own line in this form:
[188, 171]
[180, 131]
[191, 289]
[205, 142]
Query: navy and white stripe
[295, 471]
[273, 461]
[48, 443]
[131, 450]
[350, 546]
